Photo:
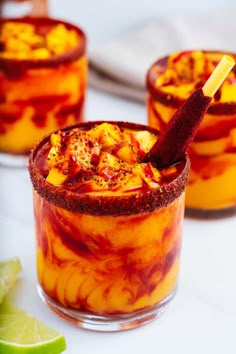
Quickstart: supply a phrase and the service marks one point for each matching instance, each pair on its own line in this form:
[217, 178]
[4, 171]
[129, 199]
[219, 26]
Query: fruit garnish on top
[104, 158]
[188, 70]
[186, 67]
[22, 40]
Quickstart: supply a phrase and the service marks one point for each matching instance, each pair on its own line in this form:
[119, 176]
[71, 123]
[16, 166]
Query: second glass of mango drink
[211, 190]
[43, 74]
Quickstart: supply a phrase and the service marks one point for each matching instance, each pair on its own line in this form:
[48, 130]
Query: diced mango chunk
[133, 182]
[56, 177]
[145, 139]
[127, 153]
[107, 134]
[40, 53]
[111, 161]
[23, 40]
[149, 174]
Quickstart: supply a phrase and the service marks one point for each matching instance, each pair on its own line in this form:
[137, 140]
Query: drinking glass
[108, 258]
[43, 74]
[211, 190]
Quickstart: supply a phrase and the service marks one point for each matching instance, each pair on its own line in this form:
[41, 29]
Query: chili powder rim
[171, 100]
[129, 204]
[69, 56]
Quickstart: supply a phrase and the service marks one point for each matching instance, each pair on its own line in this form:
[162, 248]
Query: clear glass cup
[108, 260]
[42, 84]
[211, 190]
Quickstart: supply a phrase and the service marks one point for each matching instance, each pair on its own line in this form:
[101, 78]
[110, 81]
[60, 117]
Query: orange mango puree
[108, 264]
[211, 184]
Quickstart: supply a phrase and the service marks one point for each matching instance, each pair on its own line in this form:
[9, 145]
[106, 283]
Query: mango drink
[43, 73]
[211, 189]
[108, 227]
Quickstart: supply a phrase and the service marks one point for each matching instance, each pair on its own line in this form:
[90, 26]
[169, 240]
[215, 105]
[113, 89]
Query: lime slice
[21, 333]
[9, 270]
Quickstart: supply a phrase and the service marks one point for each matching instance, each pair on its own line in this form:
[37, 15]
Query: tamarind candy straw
[173, 143]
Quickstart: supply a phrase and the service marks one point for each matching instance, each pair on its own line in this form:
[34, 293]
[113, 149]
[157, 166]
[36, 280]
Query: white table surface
[202, 316]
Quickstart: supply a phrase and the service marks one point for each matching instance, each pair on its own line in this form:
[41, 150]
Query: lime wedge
[22, 333]
[9, 270]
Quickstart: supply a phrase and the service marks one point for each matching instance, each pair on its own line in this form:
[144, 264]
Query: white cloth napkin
[120, 67]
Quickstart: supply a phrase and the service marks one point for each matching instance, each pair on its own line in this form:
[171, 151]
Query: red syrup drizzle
[42, 105]
[207, 167]
[8, 118]
[220, 129]
[66, 110]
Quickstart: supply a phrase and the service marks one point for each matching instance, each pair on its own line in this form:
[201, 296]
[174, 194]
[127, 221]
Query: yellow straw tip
[229, 59]
[218, 75]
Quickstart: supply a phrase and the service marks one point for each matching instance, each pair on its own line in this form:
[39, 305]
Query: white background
[202, 317]
[104, 20]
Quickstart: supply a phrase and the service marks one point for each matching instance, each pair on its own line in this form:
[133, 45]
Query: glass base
[210, 213]
[108, 323]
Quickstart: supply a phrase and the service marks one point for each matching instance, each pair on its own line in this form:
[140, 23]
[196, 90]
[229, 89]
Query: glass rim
[173, 100]
[21, 65]
[112, 205]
